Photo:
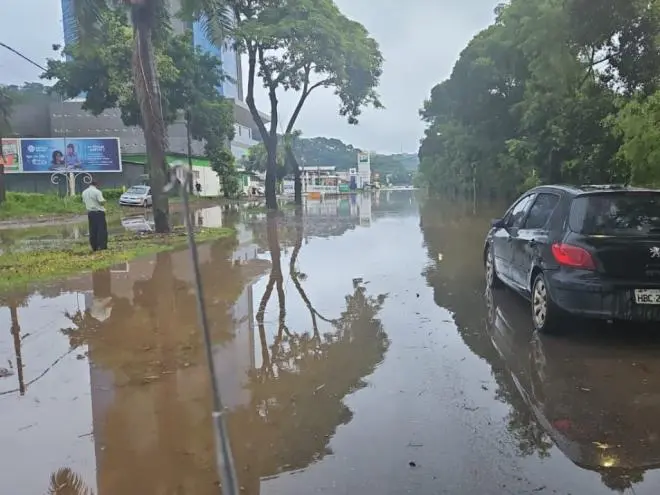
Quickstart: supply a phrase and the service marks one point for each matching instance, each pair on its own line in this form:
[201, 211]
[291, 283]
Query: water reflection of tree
[13, 301]
[298, 391]
[155, 429]
[65, 482]
[145, 356]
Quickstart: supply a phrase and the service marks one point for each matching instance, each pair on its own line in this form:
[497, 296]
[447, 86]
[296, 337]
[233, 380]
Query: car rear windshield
[616, 213]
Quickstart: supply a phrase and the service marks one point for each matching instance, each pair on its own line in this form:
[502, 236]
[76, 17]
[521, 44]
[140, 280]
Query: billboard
[11, 155]
[48, 155]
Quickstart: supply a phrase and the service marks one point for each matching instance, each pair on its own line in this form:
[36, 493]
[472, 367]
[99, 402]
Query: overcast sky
[420, 40]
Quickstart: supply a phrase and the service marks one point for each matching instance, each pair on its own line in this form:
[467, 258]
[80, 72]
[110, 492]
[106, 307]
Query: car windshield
[624, 213]
[138, 190]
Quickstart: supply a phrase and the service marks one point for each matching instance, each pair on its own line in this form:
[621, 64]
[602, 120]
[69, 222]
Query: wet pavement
[357, 352]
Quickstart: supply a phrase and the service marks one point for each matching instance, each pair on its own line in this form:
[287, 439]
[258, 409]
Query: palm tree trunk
[189, 142]
[153, 124]
[297, 174]
[2, 173]
[16, 334]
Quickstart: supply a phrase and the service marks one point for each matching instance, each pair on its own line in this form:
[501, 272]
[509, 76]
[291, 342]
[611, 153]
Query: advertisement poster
[48, 155]
[363, 157]
[11, 152]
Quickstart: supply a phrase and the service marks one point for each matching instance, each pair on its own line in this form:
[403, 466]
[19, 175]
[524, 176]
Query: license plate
[647, 296]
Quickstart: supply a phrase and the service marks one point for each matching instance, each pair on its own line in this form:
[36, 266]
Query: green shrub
[112, 194]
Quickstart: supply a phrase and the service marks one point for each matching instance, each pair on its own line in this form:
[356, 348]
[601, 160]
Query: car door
[531, 238]
[503, 237]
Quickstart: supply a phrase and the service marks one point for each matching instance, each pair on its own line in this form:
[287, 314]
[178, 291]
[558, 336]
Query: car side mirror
[498, 223]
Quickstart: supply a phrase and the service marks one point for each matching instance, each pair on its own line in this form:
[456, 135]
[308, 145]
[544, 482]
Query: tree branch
[272, 93]
[307, 89]
[252, 67]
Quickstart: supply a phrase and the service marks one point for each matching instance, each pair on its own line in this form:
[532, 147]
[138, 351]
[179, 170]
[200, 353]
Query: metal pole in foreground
[224, 456]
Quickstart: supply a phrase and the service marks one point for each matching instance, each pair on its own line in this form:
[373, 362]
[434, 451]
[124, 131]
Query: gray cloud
[420, 40]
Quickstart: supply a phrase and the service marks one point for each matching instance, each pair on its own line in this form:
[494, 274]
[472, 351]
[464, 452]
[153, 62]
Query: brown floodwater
[357, 352]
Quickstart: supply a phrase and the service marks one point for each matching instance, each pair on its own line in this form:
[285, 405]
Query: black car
[590, 251]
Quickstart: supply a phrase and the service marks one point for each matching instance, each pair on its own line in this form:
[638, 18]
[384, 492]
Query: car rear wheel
[545, 313]
[492, 279]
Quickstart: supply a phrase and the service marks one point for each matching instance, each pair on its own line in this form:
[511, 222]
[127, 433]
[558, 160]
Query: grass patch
[21, 268]
[21, 206]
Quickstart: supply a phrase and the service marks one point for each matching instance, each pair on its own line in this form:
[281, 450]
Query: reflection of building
[332, 216]
[139, 380]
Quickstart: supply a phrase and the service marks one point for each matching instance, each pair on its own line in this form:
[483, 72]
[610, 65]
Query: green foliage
[222, 163]
[24, 267]
[103, 71]
[6, 104]
[298, 45]
[535, 98]
[28, 93]
[257, 159]
[112, 194]
[302, 45]
[639, 125]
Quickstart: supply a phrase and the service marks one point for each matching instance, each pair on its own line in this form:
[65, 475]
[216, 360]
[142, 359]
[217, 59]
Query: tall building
[72, 120]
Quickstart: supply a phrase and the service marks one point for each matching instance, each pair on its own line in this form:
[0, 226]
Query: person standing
[98, 226]
[198, 188]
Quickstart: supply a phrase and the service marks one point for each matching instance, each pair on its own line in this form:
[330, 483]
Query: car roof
[587, 189]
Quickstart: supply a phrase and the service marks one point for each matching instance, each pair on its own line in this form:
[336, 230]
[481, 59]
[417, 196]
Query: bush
[112, 194]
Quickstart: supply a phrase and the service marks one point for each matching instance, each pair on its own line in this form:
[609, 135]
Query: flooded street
[357, 351]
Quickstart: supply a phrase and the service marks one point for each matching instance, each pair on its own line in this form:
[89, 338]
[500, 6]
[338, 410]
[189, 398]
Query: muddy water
[136, 220]
[357, 352]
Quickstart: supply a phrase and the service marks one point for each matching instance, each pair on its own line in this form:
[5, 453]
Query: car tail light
[573, 256]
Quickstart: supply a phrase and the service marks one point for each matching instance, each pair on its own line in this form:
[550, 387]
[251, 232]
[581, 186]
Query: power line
[27, 59]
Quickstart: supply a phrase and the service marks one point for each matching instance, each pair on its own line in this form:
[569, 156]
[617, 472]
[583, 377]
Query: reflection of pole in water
[16, 334]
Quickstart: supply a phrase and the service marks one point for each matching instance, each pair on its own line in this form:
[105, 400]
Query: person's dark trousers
[98, 230]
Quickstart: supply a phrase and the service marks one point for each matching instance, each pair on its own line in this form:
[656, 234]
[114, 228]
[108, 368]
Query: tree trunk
[153, 124]
[2, 173]
[16, 334]
[190, 162]
[271, 175]
[269, 137]
[297, 174]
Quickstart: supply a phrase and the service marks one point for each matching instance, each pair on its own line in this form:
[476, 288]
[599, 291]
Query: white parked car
[136, 196]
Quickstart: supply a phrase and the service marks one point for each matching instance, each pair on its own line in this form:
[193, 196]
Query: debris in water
[412, 464]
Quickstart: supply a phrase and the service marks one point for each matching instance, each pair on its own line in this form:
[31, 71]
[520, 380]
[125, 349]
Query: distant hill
[331, 152]
[321, 151]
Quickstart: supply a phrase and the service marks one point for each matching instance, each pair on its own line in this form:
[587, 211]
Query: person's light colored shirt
[93, 199]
